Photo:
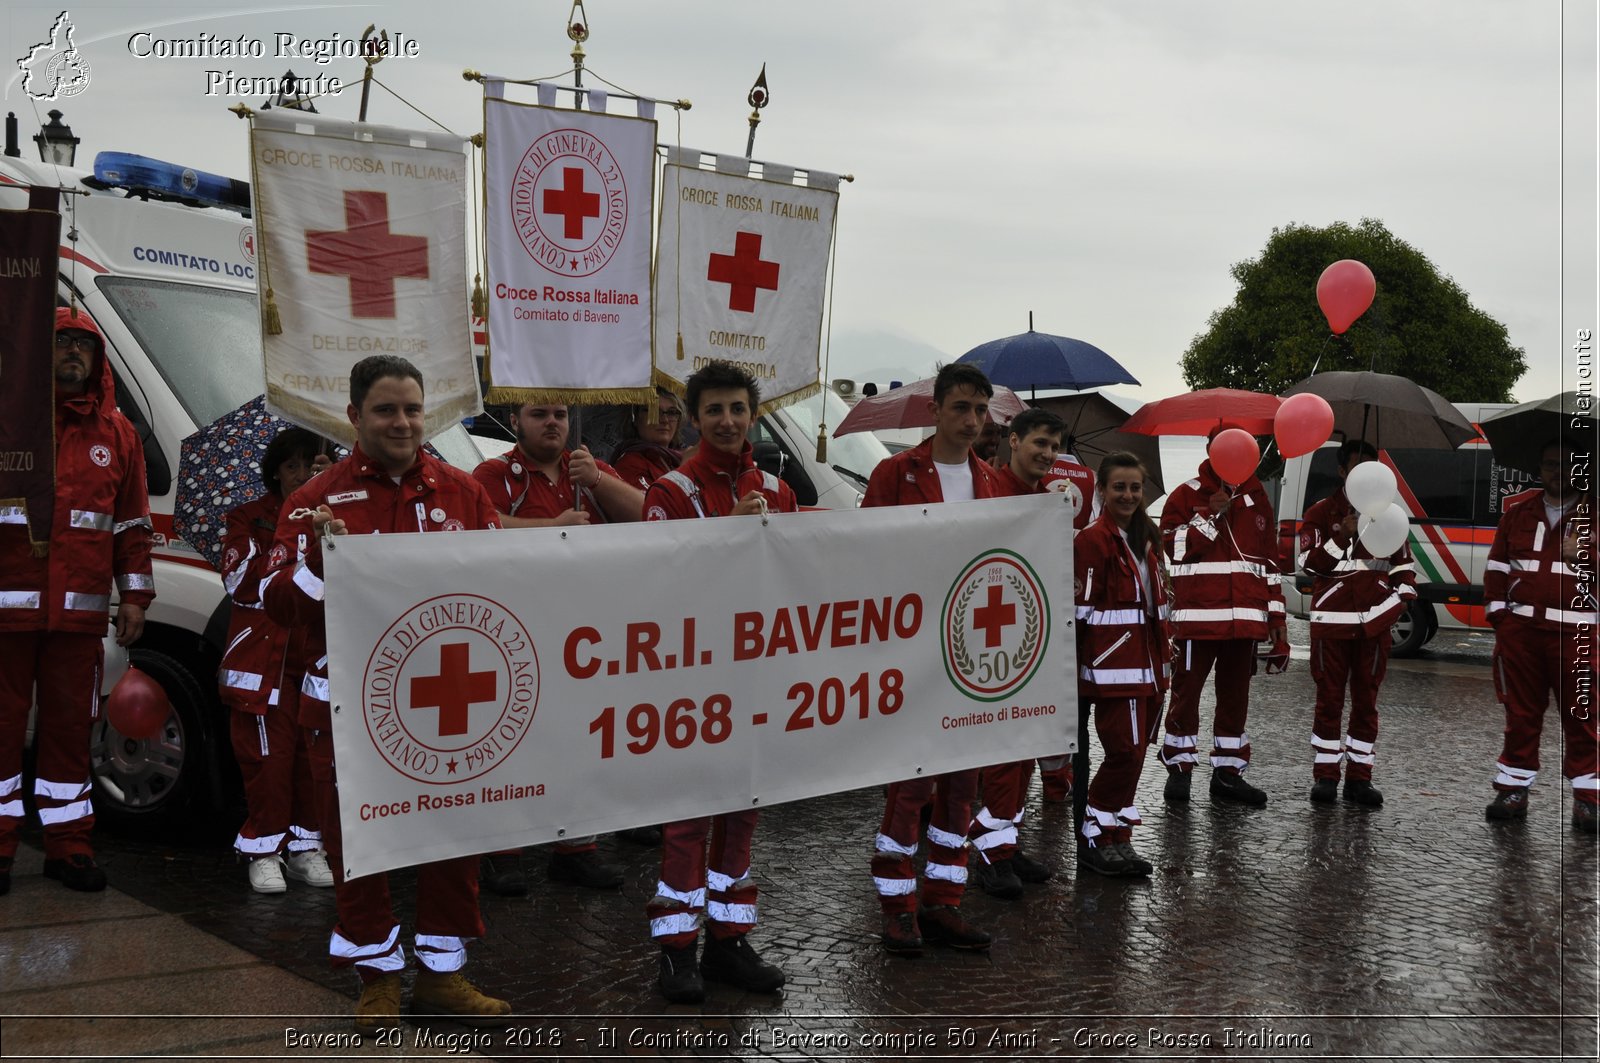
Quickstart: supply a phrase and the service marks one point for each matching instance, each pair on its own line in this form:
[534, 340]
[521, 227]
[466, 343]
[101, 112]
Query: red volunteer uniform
[259, 678]
[1225, 574]
[517, 489]
[430, 497]
[1355, 600]
[641, 464]
[1124, 650]
[909, 479]
[54, 609]
[698, 883]
[1543, 612]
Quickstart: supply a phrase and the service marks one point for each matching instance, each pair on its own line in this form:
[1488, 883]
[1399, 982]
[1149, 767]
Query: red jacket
[1008, 484]
[430, 497]
[100, 534]
[909, 478]
[1225, 574]
[259, 655]
[642, 464]
[1525, 576]
[517, 489]
[711, 483]
[1353, 594]
[1124, 638]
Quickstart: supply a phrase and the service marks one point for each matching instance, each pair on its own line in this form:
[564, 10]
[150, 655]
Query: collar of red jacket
[365, 466]
[1017, 485]
[717, 462]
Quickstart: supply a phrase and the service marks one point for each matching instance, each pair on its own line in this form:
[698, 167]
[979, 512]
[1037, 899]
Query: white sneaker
[266, 875]
[309, 866]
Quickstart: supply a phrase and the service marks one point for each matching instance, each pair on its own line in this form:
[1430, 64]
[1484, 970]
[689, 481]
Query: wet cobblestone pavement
[1292, 932]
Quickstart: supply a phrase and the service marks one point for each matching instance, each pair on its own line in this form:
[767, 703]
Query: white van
[1454, 498]
[162, 257]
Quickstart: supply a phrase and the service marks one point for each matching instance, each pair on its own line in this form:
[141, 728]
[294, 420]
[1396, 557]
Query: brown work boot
[901, 935]
[943, 925]
[379, 1006]
[451, 995]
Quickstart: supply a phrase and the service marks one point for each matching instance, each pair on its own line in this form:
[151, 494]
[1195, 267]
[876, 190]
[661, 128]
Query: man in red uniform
[53, 608]
[1539, 590]
[1355, 600]
[942, 468]
[1004, 867]
[387, 484]
[1222, 542]
[715, 886]
[540, 483]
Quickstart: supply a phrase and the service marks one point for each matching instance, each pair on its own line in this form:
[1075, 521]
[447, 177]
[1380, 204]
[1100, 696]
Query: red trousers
[698, 879]
[1124, 726]
[1056, 781]
[278, 791]
[368, 935]
[1529, 663]
[944, 876]
[66, 667]
[1235, 661]
[1360, 665]
[1005, 793]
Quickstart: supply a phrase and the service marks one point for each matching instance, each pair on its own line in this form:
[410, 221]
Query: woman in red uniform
[653, 450]
[1124, 650]
[259, 679]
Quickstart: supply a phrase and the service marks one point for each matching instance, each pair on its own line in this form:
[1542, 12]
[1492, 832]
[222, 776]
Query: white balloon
[1370, 486]
[1383, 534]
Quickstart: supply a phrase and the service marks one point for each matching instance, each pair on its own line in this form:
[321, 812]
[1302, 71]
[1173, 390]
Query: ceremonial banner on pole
[362, 232]
[29, 240]
[487, 694]
[569, 200]
[740, 276]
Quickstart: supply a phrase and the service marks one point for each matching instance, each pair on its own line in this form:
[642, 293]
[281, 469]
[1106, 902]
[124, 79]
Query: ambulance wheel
[1412, 631]
[148, 784]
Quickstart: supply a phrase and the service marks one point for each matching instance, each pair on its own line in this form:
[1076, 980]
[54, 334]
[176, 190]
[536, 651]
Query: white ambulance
[163, 259]
[1454, 498]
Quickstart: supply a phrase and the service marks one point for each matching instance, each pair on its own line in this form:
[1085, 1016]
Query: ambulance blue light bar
[167, 180]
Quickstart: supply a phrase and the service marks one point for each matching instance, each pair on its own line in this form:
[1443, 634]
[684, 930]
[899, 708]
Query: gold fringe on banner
[571, 396]
[822, 444]
[768, 405]
[271, 320]
[480, 301]
[660, 379]
[39, 550]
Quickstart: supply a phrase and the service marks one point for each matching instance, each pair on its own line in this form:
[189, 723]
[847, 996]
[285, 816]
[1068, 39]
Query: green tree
[1421, 325]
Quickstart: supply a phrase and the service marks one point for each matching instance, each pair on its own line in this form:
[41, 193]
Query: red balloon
[1344, 291]
[138, 708]
[1234, 455]
[1303, 423]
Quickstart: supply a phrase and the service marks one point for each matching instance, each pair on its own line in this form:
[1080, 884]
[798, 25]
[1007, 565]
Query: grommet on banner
[336, 708]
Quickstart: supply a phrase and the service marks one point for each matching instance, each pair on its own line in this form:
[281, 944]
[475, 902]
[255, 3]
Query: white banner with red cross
[518, 687]
[570, 195]
[362, 232]
[741, 273]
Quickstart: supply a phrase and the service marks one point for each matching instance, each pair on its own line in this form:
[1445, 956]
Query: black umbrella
[1390, 412]
[1519, 435]
[1094, 424]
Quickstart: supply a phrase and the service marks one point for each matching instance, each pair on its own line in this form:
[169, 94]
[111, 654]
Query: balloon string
[1326, 340]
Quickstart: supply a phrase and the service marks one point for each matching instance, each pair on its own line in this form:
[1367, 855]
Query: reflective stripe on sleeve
[306, 580]
[74, 600]
[314, 686]
[137, 522]
[89, 520]
[241, 680]
[135, 581]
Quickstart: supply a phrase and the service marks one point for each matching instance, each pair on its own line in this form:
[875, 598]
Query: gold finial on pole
[578, 30]
[470, 74]
[373, 49]
[241, 110]
[759, 97]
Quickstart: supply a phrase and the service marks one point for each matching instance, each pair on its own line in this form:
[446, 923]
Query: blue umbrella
[1031, 361]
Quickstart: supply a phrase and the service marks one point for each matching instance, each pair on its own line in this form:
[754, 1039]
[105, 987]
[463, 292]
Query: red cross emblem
[995, 617]
[454, 690]
[368, 253]
[743, 271]
[572, 202]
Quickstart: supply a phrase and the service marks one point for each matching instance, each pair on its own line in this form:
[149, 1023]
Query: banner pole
[759, 97]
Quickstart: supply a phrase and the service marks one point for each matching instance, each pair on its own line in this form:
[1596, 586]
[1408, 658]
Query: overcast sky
[1101, 164]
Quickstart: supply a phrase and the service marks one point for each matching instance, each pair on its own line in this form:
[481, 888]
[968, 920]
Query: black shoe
[943, 925]
[1231, 786]
[1109, 860]
[1362, 792]
[1324, 791]
[680, 980]
[1585, 817]
[734, 961]
[1508, 804]
[649, 837]
[1028, 869]
[901, 935]
[997, 879]
[5, 874]
[584, 869]
[502, 874]
[1140, 865]
[77, 872]
[1177, 788]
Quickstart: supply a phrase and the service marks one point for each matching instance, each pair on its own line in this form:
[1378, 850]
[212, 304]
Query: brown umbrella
[1388, 411]
[1094, 429]
[907, 407]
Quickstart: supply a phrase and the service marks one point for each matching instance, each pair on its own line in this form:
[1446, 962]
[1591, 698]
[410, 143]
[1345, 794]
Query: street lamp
[56, 143]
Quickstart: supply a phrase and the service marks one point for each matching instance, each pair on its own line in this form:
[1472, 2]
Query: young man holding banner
[715, 886]
[387, 484]
[943, 468]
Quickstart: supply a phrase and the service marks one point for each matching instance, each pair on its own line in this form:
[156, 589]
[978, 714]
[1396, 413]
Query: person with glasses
[652, 450]
[1538, 589]
[54, 604]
